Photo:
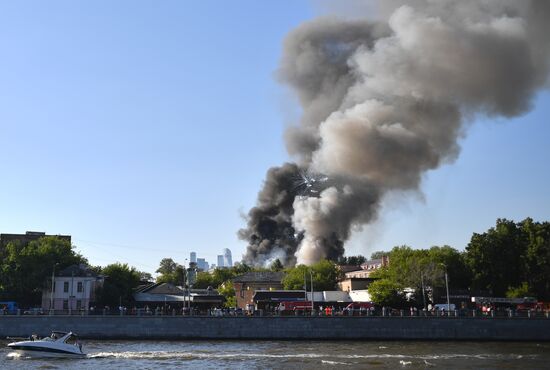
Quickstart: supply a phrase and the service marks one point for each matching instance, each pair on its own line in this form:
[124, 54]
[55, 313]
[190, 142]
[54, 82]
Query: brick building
[247, 284]
[26, 238]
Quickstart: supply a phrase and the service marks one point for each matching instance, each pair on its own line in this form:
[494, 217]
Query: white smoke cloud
[385, 101]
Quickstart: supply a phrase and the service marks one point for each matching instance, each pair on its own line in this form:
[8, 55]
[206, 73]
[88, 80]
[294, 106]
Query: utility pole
[423, 291]
[184, 283]
[447, 285]
[51, 295]
[72, 294]
[312, 299]
[305, 287]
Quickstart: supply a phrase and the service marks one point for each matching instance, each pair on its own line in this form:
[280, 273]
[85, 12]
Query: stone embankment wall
[323, 328]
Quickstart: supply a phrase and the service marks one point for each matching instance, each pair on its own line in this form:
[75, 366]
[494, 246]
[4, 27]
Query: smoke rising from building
[385, 101]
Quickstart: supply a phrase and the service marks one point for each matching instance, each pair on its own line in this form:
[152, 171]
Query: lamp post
[191, 271]
[183, 287]
[423, 290]
[447, 288]
[51, 294]
[305, 287]
[312, 299]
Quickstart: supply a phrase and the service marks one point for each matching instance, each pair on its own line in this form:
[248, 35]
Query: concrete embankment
[321, 328]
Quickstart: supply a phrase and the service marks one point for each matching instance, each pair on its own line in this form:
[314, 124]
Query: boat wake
[325, 358]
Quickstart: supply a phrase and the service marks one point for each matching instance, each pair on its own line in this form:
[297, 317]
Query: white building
[220, 261]
[193, 257]
[73, 289]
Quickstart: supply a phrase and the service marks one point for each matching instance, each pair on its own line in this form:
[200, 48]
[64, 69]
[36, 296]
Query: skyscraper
[202, 264]
[220, 261]
[227, 260]
[193, 257]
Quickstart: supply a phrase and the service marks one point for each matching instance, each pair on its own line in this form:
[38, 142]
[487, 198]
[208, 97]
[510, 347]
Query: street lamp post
[190, 281]
[312, 299]
[184, 283]
[51, 294]
[305, 287]
[423, 290]
[447, 288]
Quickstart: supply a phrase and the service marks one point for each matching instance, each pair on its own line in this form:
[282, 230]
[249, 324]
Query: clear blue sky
[144, 130]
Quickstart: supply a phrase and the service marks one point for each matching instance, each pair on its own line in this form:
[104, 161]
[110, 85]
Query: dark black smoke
[269, 230]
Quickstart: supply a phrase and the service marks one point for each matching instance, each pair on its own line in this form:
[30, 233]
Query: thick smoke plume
[384, 102]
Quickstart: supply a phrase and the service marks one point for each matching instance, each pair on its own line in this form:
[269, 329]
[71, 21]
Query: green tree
[241, 268]
[378, 255]
[352, 260]
[276, 265]
[26, 269]
[170, 272]
[145, 276]
[385, 292]
[221, 275]
[536, 260]
[167, 266]
[228, 291]
[495, 257]
[294, 278]
[119, 285]
[203, 280]
[519, 292]
[324, 272]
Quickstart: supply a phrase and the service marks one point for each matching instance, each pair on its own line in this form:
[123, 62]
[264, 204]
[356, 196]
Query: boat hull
[31, 351]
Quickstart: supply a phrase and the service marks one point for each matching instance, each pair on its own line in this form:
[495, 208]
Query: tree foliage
[386, 292]
[26, 269]
[409, 268]
[378, 255]
[324, 273]
[509, 254]
[170, 272]
[228, 291]
[276, 265]
[119, 285]
[519, 292]
[352, 260]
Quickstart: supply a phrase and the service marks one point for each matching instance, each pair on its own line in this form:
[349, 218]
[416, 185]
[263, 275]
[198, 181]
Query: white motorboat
[59, 344]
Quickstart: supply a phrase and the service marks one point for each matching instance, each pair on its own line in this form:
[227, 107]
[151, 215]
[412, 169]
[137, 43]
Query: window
[78, 304]
[242, 293]
[66, 286]
[66, 303]
[79, 287]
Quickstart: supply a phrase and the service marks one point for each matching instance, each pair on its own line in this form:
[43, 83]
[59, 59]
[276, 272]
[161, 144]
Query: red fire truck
[292, 306]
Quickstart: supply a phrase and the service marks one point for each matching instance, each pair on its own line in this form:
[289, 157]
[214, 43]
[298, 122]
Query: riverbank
[282, 328]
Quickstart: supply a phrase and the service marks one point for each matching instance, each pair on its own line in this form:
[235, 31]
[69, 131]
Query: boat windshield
[57, 335]
[71, 339]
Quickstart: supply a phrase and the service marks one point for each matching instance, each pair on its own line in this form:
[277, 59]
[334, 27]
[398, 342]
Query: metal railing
[329, 312]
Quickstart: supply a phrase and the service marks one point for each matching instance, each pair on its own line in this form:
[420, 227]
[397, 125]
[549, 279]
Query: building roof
[77, 270]
[348, 268]
[167, 292]
[160, 288]
[260, 277]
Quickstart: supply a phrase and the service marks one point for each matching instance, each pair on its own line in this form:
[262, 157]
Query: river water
[293, 355]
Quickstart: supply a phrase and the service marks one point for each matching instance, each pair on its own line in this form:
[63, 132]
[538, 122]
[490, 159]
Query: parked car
[33, 311]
